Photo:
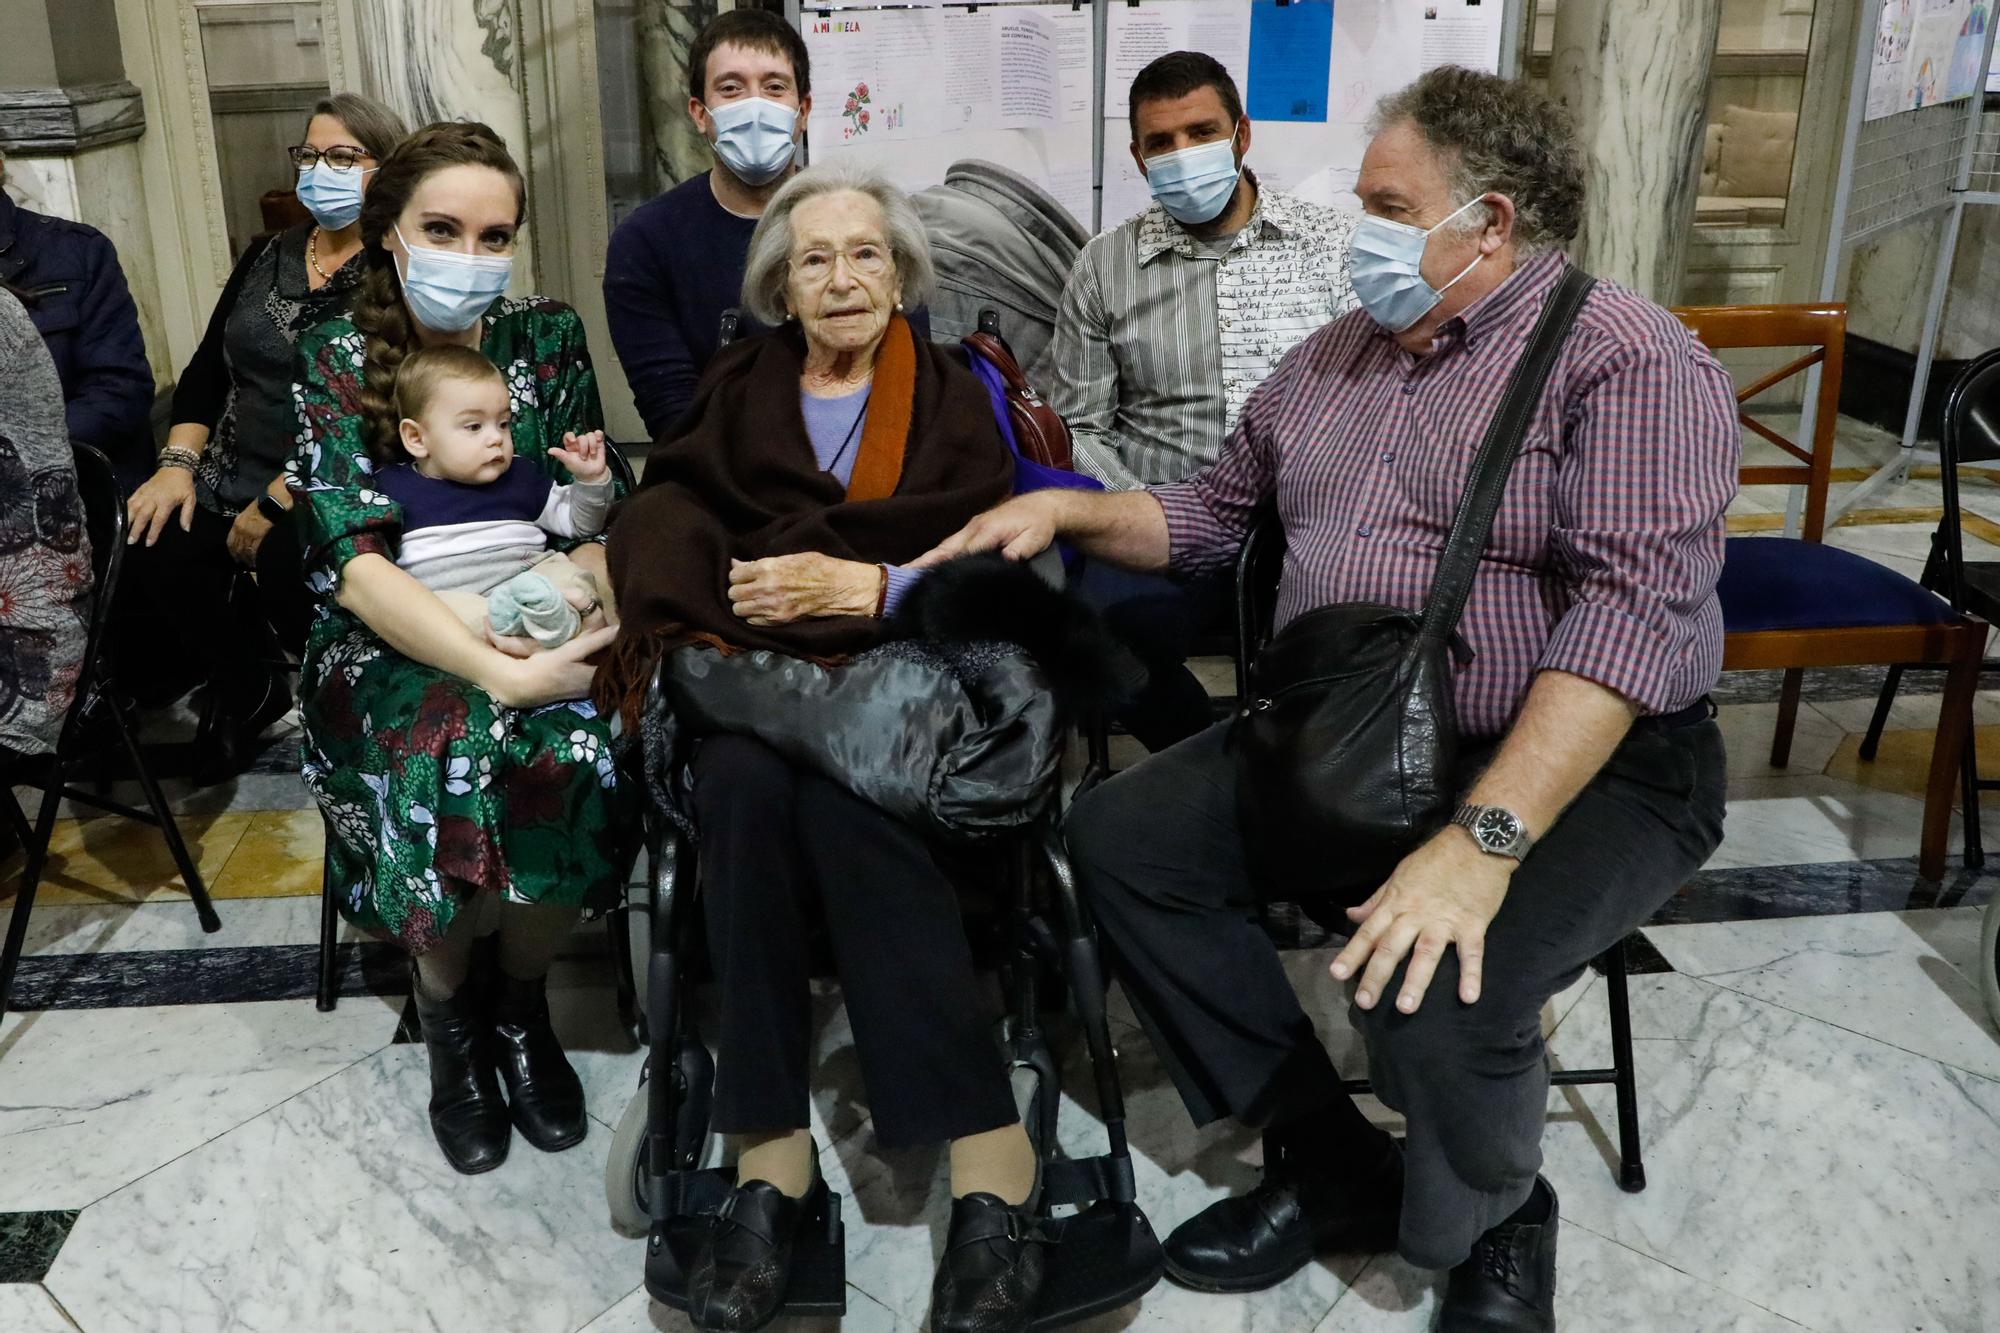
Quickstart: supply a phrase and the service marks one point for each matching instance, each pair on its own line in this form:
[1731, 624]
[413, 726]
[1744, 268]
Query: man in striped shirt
[1596, 636]
[1166, 325]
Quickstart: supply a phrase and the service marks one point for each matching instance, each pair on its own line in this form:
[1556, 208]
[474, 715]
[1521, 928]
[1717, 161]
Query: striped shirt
[1159, 340]
[1604, 556]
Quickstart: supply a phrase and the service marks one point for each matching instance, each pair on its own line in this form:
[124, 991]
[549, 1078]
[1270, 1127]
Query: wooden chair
[1791, 603]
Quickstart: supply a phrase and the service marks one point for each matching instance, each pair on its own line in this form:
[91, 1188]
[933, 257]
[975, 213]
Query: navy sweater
[672, 268]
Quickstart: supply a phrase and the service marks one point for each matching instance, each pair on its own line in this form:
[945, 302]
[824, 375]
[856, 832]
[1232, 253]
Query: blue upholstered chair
[1795, 602]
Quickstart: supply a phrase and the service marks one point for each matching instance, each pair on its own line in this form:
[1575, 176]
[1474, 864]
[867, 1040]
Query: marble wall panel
[451, 60]
[667, 29]
[1635, 75]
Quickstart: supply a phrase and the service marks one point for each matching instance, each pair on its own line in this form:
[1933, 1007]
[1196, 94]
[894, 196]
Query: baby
[476, 518]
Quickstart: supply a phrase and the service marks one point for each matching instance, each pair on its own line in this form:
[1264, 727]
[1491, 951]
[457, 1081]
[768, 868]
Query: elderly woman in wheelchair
[759, 564]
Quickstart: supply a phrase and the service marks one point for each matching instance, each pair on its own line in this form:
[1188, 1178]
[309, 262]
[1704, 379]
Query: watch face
[1496, 828]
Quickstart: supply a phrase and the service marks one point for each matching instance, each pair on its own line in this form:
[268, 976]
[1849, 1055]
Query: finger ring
[591, 607]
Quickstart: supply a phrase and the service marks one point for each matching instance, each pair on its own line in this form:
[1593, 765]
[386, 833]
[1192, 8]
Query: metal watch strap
[1466, 816]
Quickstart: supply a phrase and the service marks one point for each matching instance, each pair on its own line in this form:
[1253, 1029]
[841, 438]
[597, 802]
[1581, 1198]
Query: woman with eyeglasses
[474, 805]
[817, 461]
[217, 504]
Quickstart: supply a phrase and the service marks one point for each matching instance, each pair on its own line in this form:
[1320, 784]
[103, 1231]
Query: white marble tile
[1874, 973]
[93, 1099]
[338, 1200]
[1601, 1287]
[1809, 819]
[639, 1313]
[26, 1308]
[1746, 737]
[1827, 1176]
[64, 928]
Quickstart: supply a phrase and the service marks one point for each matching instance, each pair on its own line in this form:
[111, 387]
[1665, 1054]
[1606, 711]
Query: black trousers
[1159, 858]
[774, 840]
[178, 623]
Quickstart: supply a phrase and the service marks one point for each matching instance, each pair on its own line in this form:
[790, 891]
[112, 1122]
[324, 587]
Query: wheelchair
[1102, 1251]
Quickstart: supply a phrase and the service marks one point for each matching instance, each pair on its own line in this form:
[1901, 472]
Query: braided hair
[379, 313]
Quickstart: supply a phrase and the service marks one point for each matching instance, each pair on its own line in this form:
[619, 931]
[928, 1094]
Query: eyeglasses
[341, 157]
[863, 261]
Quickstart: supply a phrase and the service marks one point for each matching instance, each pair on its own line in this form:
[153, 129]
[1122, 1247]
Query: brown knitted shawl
[742, 483]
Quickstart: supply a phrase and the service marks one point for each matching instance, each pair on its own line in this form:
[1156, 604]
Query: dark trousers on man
[1160, 620]
[1161, 862]
[181, 619]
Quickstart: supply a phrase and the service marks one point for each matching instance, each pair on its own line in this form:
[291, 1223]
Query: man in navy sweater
[676, 263]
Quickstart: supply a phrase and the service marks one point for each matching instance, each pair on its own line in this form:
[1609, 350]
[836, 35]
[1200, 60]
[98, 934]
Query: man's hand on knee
[1443, 895]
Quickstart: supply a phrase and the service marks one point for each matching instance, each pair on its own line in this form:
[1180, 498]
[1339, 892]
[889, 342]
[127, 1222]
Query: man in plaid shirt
[1595, 773]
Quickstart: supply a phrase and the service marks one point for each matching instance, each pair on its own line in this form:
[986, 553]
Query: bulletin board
[1309, 71]
[1040, 86]
[910, 89]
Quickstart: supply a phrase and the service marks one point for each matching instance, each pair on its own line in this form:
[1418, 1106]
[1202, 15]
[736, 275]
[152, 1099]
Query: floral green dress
[431, 787]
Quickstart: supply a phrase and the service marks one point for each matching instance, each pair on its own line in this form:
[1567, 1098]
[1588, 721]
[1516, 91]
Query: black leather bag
[1347, 752]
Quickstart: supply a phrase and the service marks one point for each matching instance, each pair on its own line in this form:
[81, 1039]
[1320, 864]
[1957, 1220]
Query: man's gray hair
[1497, 136]
[769, 261]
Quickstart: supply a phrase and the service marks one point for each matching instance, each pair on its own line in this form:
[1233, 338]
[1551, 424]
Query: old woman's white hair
[767, 265]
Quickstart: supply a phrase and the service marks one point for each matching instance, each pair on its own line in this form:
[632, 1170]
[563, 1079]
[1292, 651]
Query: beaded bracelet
[175, 456]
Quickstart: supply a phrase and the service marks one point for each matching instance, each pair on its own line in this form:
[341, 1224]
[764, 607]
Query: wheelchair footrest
[819, 1255]
[1106, 1257]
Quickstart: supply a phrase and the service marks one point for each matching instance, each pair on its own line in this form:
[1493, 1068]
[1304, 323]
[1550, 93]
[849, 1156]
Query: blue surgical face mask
[448, 291]
[1384, 266]
[753, 137]
[1195, 184]
[332, 197]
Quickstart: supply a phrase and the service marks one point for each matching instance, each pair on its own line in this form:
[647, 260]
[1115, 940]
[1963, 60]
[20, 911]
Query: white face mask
[448, 291]
[1385, 268]
[753, 137]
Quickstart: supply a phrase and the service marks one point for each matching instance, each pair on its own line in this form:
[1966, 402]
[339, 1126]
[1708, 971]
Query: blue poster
[1291, 46]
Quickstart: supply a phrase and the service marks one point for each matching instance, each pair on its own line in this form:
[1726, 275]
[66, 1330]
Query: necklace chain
[312, 256]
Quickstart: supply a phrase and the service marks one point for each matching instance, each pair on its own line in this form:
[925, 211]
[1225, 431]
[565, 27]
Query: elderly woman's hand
[783, 588]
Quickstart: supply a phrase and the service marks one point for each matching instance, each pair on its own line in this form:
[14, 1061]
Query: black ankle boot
[740, 1276]
[468, 1115]
[543, 1091]
[1508, 1284]
[992, 1268]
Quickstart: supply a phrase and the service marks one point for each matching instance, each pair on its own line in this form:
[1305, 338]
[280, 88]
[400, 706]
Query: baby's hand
[584, 456]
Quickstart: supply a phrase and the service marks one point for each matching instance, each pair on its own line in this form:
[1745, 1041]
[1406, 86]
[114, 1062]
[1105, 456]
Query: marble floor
[188, 1146]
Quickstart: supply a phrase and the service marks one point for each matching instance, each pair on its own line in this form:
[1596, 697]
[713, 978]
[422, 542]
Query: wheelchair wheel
[624, 1170]
[1989, 962]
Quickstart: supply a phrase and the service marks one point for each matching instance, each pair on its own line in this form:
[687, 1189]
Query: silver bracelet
[175, 456]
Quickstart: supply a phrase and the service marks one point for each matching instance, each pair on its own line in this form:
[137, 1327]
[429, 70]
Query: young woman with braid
[468, 780]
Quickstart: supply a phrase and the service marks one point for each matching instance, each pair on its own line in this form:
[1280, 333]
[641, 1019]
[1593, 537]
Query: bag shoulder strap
[1480, 501]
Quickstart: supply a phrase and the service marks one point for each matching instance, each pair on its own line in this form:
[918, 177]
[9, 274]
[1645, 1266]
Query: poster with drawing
[1926, 52]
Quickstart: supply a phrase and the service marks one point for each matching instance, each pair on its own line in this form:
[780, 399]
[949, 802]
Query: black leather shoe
[1259, 1239]
[542, 1090]
[743, 1269]
[468, 1115]
[992, 1268]
[1508, 1284]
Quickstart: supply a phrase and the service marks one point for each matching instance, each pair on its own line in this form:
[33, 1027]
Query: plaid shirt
[1605, 553]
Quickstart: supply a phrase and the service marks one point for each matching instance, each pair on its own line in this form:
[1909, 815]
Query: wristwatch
[1496, 829]
[268, 506]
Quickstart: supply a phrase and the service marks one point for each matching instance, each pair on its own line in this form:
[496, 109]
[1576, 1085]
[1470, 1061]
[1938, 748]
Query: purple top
[834, 426]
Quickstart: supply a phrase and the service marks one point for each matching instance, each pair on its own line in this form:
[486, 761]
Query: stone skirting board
[69, 120]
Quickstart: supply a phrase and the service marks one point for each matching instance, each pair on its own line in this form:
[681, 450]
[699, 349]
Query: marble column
[1634, 74]
[452, 60]
[667, 29]
[69, 126]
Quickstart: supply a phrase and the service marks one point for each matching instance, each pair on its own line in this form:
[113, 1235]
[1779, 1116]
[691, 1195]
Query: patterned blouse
[44, 555]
